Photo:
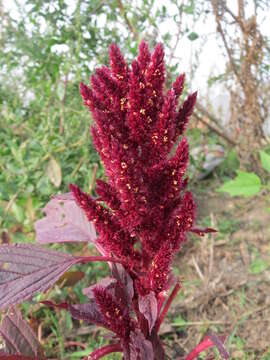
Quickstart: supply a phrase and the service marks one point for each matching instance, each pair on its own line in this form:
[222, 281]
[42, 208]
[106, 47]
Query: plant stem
[99, 353]
[208, 342]
[86, 259]
[167, 305]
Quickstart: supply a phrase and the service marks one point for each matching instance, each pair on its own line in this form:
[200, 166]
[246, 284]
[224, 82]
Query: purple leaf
[19, 338]
[140, 348]
[28, 269]
[148, 307]
[218, 341]
[107, 283]
[64, 222]
[88, 312]
[122, 276]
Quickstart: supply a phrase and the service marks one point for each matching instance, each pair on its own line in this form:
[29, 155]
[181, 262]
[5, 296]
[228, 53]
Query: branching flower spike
[143, 211]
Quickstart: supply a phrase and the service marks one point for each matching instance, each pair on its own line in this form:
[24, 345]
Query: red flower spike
[184, 113]
[144, 56]
[165, 126]
[160, 269]
[115, 316]
[147, 212]
[119, 67]
[178, 85]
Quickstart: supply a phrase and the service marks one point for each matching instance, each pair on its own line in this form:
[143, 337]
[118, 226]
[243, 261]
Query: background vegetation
[46, 48]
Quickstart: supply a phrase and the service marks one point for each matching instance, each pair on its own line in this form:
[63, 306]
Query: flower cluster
[143, 211]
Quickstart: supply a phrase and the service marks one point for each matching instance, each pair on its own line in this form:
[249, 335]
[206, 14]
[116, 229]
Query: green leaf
[245, 184]
[265, 160]
[258, 266]
[60, 91]
[189, 9]
[17, 212]
[179, 321]
[193, 36]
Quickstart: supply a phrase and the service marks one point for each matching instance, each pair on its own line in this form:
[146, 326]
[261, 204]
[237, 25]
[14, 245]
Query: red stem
[86, 259]
[205, 344]
[161, 299]
[167, 305]
[101, 352]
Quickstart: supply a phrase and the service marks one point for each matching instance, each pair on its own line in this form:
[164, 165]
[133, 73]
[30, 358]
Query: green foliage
[245, 184]
[193, 36]
[265, 160]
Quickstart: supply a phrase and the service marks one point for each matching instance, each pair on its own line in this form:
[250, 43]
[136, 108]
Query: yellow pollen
[149, 120]
[128, 186]
[142, 111]
[136, 189]
[120, 77]
[165, 139]
[154, 138]
[122, 102]
[154, 93]
[125, 146]
[123, 165]
[173, 172]
[175, 182]
[142, 86]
